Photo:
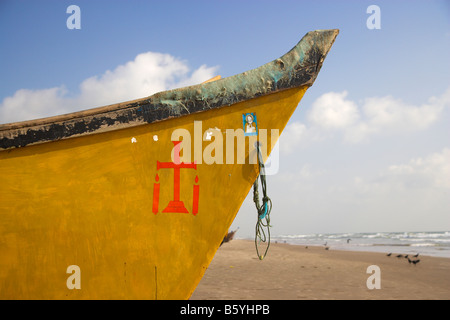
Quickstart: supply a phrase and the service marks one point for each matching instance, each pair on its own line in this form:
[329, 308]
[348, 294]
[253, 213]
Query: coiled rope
[263, 221]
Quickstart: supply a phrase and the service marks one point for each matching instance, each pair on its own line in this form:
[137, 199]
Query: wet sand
[293, 272]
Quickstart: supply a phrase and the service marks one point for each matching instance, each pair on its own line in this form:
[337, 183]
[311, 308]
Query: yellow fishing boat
[132, 200]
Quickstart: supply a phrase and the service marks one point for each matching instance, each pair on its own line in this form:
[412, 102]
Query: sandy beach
[294, 272]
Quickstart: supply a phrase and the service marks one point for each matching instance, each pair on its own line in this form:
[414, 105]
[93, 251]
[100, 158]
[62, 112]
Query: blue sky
[380, 164]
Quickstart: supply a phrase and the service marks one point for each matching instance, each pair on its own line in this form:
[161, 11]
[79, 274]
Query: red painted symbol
[175, 205]
[195, 204]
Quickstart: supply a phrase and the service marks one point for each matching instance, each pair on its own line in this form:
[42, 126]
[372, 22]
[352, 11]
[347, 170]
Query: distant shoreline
[376, 248]
[434, 244]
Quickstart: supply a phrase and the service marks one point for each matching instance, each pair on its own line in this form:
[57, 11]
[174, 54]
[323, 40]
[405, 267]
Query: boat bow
[299, 67]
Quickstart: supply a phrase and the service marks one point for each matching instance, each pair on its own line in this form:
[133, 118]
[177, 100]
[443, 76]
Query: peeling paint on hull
[298, 67]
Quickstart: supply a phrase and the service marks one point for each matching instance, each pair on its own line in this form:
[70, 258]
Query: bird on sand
[389, 254]
[399, 256]
[415, 261]
[416, 255]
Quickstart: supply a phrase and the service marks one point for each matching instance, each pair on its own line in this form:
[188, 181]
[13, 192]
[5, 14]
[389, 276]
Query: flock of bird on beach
[407, 257]
[414, 262]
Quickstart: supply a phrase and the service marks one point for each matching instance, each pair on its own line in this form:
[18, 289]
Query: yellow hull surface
[129, 214]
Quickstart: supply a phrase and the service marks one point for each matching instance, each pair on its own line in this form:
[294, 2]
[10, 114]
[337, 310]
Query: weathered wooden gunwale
[299, 67]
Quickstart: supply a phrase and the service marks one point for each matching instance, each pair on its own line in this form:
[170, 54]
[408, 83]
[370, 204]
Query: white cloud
[413, 195]
[292, 135]
[424, 173]
[389, 113]
[432, 171]
[147, 74]
[198, 76]
[333, 111]
[29, 104]
[333, 115]
[375, 115]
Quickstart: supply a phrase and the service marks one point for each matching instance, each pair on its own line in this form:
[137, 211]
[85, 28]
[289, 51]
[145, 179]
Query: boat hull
[111, 205]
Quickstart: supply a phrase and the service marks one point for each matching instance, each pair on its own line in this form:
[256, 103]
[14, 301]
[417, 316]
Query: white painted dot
[155, 137]
[133, 140]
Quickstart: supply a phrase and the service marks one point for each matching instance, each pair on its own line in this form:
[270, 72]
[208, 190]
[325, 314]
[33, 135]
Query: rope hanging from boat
[263, 221]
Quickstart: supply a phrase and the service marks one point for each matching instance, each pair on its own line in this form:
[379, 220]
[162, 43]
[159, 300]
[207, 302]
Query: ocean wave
[430, 243]
[424, 244]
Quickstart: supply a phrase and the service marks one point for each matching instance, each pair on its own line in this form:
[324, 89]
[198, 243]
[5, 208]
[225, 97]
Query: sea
[435, 244]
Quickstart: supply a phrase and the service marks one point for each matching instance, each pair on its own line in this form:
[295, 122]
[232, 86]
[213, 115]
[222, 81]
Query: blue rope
[265, 212]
